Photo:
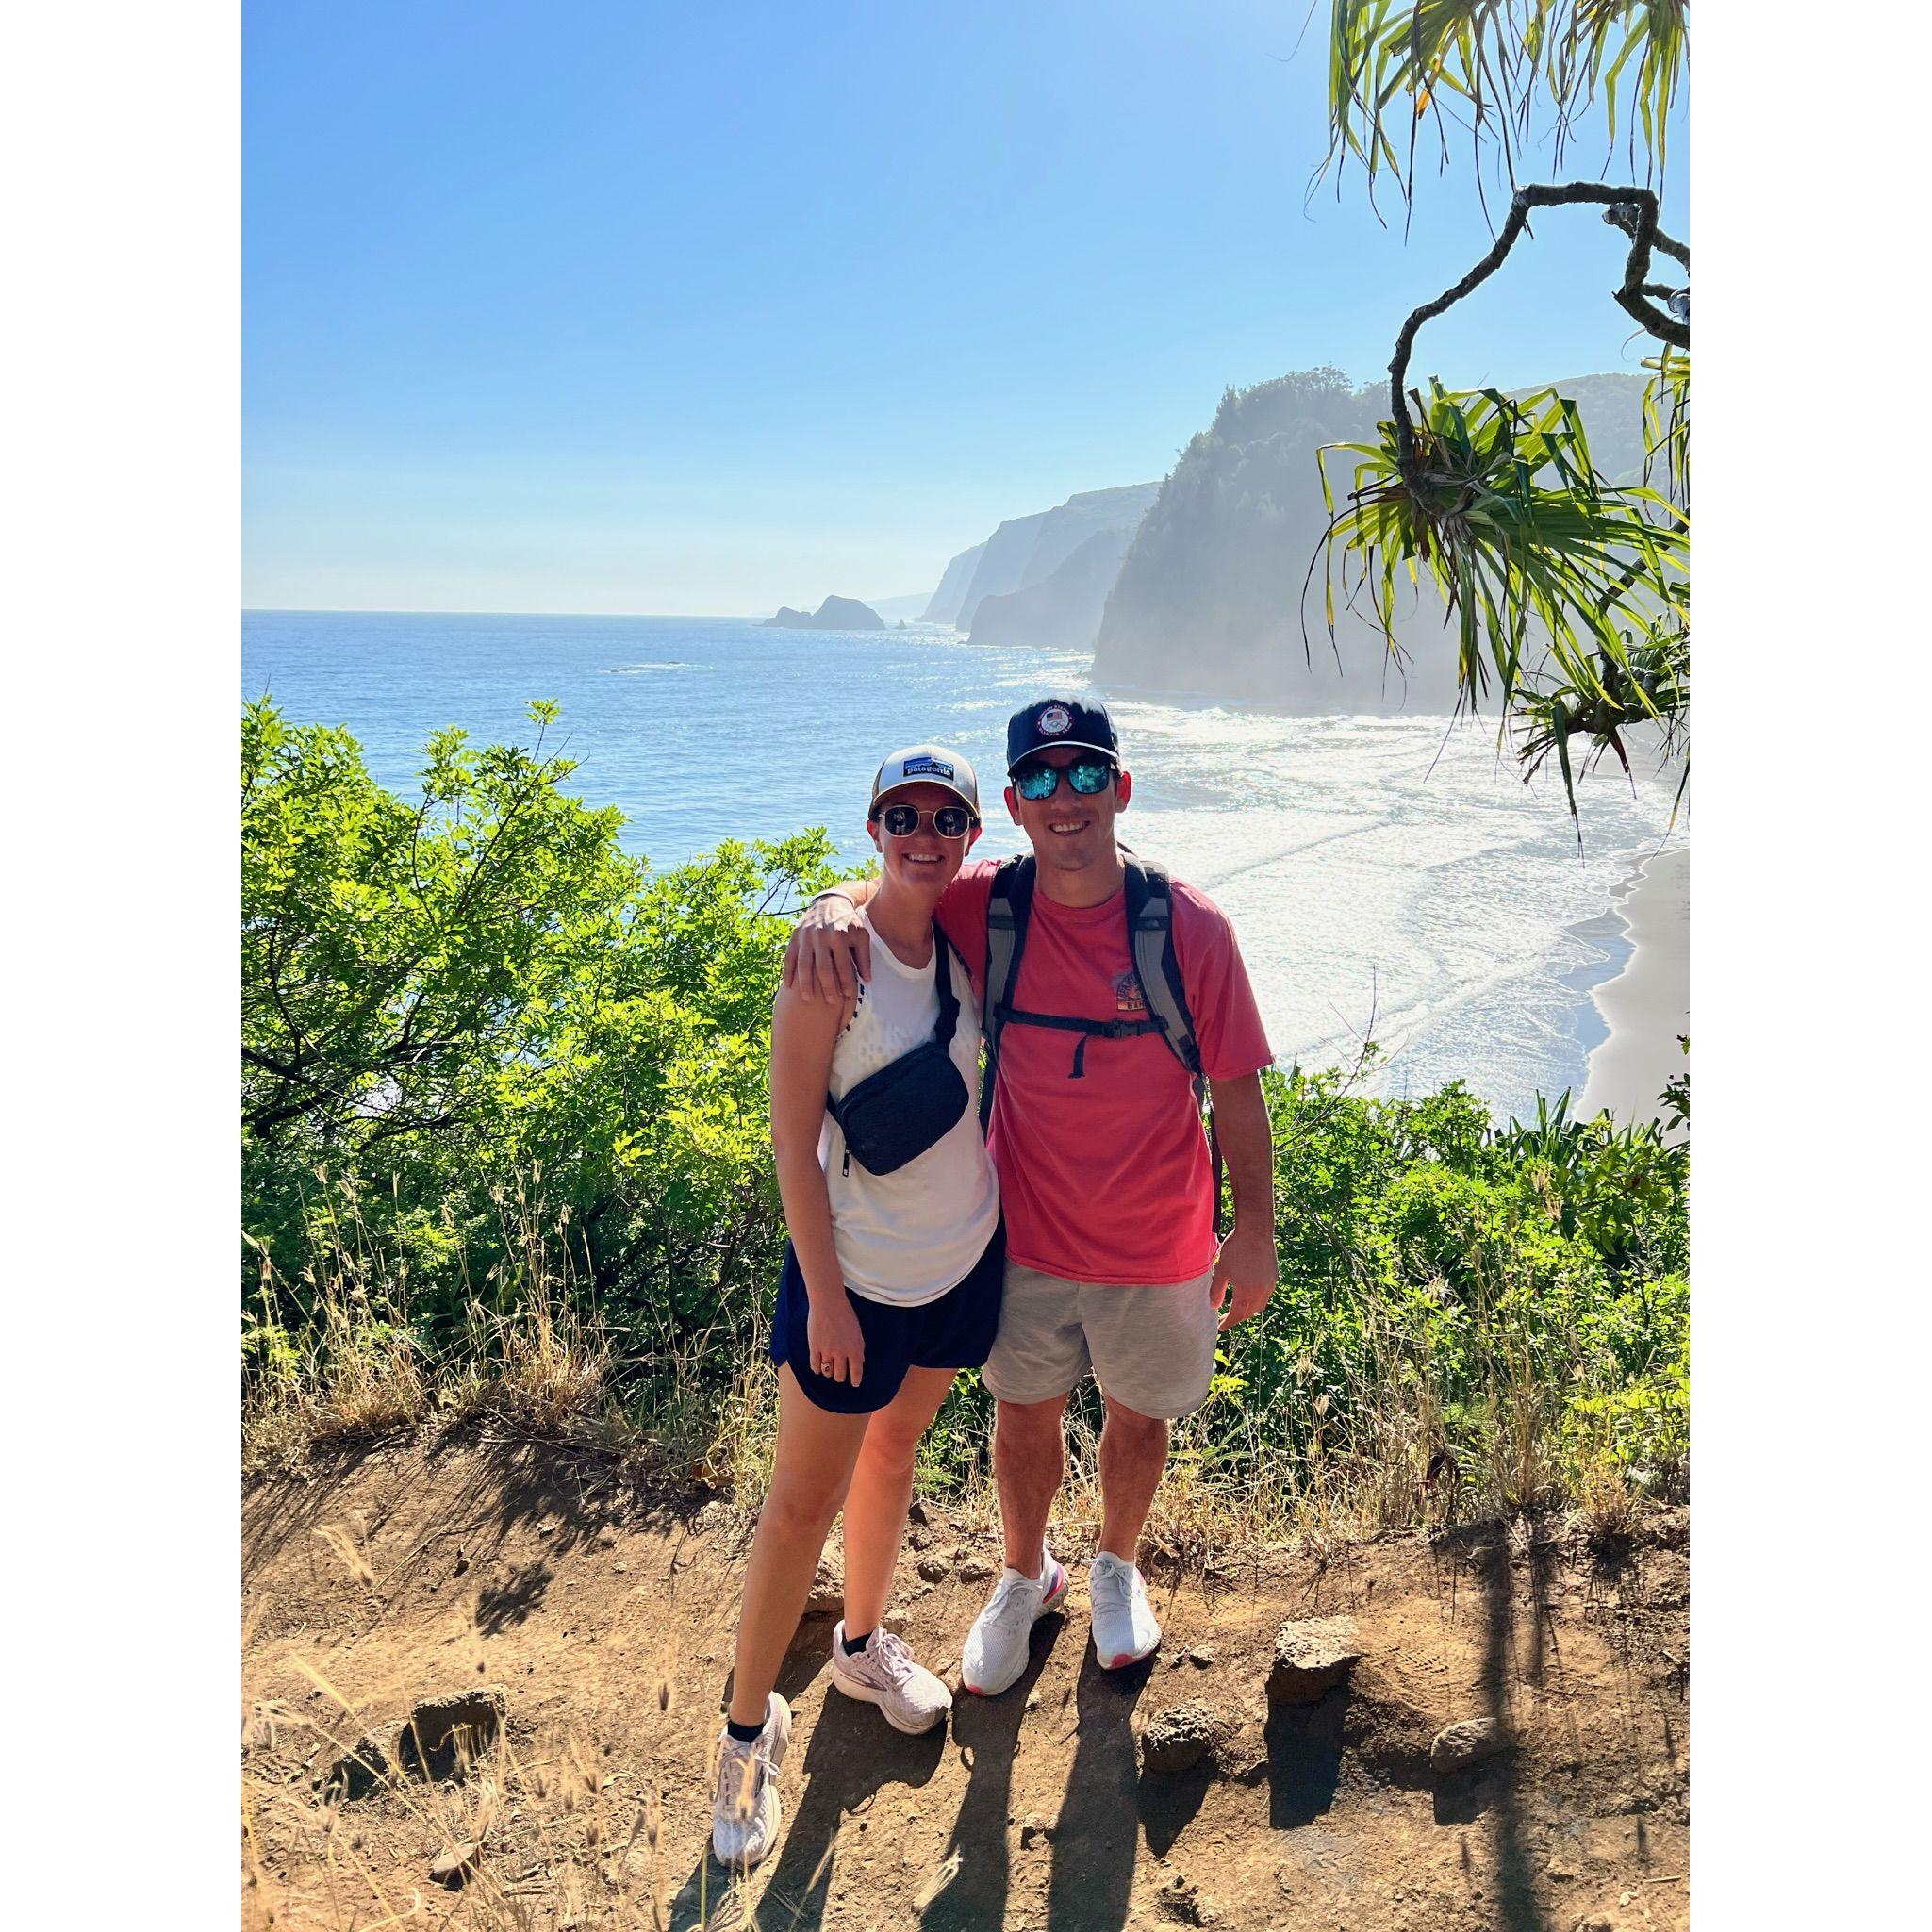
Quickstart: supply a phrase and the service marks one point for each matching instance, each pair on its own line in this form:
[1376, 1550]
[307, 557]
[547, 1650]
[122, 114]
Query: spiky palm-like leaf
[1569, 595]
[1393, 64]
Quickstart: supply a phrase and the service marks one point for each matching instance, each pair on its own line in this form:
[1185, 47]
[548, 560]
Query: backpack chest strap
[1086, 1029]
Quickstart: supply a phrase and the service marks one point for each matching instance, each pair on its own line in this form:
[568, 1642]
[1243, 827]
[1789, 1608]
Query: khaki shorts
[1151, 1348]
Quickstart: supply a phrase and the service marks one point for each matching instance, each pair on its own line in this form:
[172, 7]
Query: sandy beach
[1648, 1004]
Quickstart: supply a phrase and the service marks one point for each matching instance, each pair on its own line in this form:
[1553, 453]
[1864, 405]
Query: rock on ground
[828, 1591]
[1312, 1656]
[1468, 1743]
[1178, 1740]
[455, 1866]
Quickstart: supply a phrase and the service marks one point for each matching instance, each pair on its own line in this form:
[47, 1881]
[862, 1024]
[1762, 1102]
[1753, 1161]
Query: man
[1105, 1177]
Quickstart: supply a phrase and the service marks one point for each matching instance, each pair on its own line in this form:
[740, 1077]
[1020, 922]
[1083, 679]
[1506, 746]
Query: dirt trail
[605, 1617]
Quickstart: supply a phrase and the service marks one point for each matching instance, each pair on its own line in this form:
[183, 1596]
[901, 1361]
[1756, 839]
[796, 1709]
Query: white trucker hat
[926, 764]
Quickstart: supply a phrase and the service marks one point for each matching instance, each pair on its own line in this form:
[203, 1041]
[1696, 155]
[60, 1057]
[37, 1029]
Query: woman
[891, 1284]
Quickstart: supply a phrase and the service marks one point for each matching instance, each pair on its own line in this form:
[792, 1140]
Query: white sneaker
[744, 1801]
[996, 1646]
[1124, 1627]
[885, 1672]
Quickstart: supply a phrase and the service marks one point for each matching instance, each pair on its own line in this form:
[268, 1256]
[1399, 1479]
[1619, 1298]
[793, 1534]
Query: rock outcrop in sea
[835, 614]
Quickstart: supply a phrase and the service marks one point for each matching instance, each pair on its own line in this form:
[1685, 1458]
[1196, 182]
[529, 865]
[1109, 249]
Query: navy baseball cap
[1081, 722]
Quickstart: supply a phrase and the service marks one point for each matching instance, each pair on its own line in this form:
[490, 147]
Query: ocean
[1382, 872]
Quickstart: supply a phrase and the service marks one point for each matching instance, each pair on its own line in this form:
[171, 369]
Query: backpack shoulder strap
[1150, 932]
[1008, 911]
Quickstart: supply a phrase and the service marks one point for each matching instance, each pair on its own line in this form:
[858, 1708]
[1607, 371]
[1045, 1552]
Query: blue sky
[646, 308]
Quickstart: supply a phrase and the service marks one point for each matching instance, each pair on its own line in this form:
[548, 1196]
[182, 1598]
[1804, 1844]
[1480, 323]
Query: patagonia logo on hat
[926, 764]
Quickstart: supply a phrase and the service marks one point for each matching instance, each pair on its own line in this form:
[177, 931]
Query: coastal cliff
[1027, 551]
[944, 604]
[1061, 611]
[1208, 594]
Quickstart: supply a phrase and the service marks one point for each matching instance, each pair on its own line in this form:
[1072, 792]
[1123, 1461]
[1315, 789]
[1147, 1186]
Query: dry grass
[545, 1833]
[549, 1837]
[1375, 1456]
[535, 1357]
[565, 1839]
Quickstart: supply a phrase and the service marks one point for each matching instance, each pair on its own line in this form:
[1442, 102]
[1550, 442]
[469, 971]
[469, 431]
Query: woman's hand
[837, 1342]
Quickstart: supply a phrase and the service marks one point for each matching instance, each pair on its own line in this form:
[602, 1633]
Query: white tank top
[908, 1237]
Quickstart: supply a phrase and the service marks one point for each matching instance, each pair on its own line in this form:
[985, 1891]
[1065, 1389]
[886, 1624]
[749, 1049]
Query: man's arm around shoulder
[831, 950]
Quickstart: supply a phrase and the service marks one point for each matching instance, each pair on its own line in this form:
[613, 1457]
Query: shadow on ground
[985, 1732]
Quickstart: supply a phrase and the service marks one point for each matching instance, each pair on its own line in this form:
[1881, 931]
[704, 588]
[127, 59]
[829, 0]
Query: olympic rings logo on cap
[1055, 719]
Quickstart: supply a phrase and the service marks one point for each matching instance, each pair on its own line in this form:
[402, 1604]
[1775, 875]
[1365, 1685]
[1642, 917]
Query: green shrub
[446, 1001]
[504, 1128]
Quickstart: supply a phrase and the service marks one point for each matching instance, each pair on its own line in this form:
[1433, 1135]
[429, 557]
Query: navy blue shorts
[953, 1332]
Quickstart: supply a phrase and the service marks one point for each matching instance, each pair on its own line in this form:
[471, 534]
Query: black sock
[854, 1644]
[744, 1733]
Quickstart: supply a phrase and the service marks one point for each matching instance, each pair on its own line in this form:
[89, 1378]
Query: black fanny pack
[893, 1115]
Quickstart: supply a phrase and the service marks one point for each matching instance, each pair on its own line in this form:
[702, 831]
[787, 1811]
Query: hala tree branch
[1623, 215]
[1631, 209]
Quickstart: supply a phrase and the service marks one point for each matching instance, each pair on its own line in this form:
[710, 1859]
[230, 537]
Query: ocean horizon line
[372, 610]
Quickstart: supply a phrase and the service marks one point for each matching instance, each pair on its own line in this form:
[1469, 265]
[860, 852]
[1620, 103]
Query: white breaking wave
[1372, 864]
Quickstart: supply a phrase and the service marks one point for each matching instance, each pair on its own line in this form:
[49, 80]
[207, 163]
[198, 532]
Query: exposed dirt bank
[606, 1616]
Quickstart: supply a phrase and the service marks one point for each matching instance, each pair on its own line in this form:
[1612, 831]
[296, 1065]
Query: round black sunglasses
[949, 821]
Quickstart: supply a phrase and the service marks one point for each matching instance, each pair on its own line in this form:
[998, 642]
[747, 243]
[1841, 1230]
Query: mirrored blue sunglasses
[1085, 775]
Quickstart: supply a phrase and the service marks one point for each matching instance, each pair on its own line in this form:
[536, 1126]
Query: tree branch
[1638, 203]
[1624, 215]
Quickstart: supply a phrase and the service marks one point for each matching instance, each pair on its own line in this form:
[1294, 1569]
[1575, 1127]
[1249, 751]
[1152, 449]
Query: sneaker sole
[863, 1693]
[1046, 1603]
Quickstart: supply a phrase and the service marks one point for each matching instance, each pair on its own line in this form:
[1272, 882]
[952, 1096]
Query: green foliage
[1498, 507]
[1494, 64]
[1502, 1295]
[504, 1134]
[1222, 558]
[442, 996]
[1450, 1286]
[1529, 548]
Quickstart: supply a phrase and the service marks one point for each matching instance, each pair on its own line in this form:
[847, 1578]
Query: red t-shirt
[1107, 1178]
